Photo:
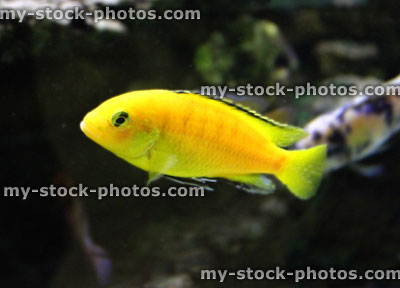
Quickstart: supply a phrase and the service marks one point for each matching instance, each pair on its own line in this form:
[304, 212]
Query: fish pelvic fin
[153, 176]
[304, 170]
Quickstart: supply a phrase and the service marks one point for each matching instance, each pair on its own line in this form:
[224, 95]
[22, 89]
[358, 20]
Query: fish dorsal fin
[280, 134]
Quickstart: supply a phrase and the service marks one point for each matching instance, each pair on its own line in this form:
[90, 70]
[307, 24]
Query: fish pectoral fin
[144, 142]
[160, 165]
[253, 183]
[153, 176]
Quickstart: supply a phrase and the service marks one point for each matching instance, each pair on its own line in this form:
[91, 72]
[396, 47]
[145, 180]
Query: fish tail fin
[304, 170]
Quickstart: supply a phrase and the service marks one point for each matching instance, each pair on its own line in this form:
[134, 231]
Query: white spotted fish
[355, 130]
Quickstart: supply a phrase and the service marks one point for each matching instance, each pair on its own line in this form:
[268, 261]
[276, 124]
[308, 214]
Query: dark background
[52, 75]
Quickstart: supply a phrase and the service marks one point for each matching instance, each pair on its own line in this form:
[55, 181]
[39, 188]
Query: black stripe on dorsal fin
[183, 92]
[282, 135]
[237, 106]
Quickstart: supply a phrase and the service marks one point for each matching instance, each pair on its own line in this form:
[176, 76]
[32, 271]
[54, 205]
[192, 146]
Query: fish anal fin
[254, 183]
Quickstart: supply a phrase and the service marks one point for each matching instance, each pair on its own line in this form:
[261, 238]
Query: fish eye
[120, 119]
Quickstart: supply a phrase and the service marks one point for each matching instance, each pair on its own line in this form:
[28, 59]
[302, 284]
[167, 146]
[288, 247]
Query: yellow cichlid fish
[182, 134]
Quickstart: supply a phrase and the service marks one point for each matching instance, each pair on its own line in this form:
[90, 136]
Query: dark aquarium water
[54, 71]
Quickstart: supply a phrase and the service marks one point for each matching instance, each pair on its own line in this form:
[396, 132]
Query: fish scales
[232, 145]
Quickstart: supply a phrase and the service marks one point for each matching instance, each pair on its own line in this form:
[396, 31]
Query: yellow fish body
[183, 134]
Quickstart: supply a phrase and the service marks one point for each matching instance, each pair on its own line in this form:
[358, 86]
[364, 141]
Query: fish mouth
[89, 130]
[93, 133]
